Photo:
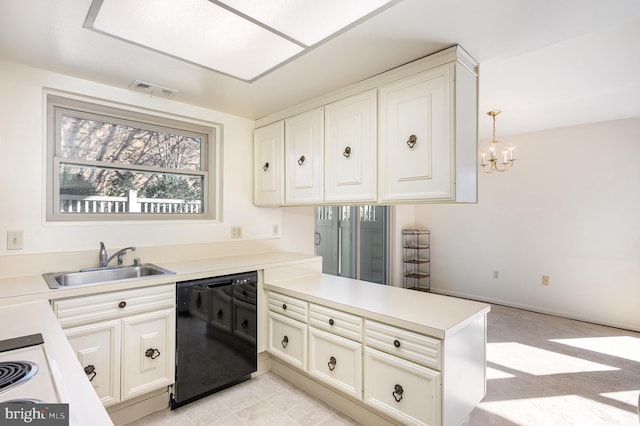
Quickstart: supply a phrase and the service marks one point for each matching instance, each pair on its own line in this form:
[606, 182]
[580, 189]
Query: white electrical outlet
[236, 232]
[14, 240]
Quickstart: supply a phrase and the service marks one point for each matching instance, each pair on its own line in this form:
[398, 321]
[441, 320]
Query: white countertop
[427, 313]
[37, 317]
[33, 287]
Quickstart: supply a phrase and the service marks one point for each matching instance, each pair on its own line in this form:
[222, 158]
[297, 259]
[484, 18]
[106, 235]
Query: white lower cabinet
[125, 340]
[97, 347]
[148, 343]
[336, 361]
[288, 340]
[402, 389]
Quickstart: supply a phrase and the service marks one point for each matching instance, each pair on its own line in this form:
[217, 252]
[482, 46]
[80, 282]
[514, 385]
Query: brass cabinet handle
[413, 140]
[397, 392]
[152, 353]
[266, 166]
[347, 152]
[122, 304]
[285, 342]
[332, 363]
[90, 370]
[301, 160]
[396, 343]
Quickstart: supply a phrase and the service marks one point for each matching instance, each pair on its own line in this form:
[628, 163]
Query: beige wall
[22, 179]
[570, 209]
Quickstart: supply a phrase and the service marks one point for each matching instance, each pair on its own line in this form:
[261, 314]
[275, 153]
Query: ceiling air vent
[151, 89]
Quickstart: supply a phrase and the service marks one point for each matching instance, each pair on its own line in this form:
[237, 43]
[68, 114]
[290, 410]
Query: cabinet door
[148, 361]
[336, 361]
[97, 347]
[304, 150]
[268, 174]
[350, 144]
[288, 340]
[416, 137]
[401, 389]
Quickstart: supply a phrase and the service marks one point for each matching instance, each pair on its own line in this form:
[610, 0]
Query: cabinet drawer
[401, 389]
[403, 343]
[288, 340]
[87, 309]
[337, 322]
[288, 306]
[336, 361]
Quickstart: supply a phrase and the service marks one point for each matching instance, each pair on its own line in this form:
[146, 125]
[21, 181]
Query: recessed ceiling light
[241, 38]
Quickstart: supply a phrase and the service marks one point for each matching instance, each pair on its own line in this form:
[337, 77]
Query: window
[353, 241]
[106, 163]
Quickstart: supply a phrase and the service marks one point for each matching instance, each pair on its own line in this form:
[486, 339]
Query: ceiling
[545, 63]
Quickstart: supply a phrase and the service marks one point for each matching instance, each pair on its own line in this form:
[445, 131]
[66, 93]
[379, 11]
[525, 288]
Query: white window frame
[210, 168]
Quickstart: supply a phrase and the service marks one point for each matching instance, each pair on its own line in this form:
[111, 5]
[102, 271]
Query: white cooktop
[42, 386]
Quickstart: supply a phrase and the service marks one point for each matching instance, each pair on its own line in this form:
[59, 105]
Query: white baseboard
[535, 308]
[139, 407]
[340, 402]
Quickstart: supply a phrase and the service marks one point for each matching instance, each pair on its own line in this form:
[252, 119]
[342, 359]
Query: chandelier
[490, 164]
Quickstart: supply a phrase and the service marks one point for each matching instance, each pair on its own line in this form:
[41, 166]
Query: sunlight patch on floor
[627, 347]
[628, 397]
[564, 409]
[540, 362]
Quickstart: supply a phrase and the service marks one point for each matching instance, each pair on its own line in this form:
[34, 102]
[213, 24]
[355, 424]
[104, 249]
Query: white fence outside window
[129, 204]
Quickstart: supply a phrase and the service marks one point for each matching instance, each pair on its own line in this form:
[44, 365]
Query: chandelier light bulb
[508, 156]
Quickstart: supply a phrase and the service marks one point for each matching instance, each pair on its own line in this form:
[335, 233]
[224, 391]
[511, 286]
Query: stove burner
[13, 373]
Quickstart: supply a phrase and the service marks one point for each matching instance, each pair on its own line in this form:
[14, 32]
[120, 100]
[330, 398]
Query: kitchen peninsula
[416, 358]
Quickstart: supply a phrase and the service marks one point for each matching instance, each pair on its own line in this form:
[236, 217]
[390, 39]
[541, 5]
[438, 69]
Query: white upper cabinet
[406, 135]
[350, 149]
[268, 177]
[304, 162]
[428, 136]
[415, 137]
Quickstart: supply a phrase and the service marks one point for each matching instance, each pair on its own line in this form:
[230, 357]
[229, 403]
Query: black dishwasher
[216, 325]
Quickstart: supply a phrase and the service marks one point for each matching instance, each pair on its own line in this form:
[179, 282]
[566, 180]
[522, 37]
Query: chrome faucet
[104, 260]
[102, 256]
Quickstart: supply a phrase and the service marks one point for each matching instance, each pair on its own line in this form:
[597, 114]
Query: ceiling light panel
[197, 31]
[307, 21]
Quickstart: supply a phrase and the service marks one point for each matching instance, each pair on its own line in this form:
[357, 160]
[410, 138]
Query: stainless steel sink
[103, 275]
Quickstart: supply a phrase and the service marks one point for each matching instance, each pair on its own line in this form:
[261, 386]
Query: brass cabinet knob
[90, 370]
[152, 353]
[413, 140]
[332, 363]
[397, 392]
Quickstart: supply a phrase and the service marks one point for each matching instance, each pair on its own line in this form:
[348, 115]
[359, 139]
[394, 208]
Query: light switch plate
[15, 240]
[236, 232]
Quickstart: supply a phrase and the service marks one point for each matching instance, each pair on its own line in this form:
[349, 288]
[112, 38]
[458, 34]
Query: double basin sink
[103, 275]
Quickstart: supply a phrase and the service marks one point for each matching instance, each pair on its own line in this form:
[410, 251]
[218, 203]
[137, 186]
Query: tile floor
[264, 400]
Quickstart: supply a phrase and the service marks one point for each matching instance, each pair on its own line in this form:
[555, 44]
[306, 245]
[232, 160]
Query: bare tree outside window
[108, 165]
